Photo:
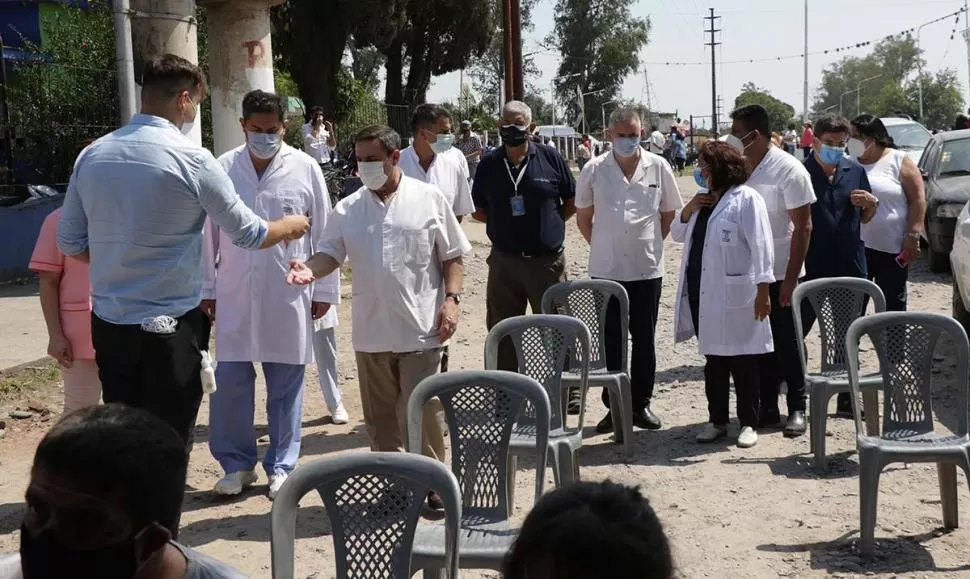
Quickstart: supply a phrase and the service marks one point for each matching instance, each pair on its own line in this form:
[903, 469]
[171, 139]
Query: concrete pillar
[240, 60]
[164, 27]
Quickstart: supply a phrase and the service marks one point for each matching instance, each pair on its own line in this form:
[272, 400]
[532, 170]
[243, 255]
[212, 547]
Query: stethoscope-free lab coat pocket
[739, 291]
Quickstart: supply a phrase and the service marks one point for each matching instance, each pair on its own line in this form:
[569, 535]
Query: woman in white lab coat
[722, 296]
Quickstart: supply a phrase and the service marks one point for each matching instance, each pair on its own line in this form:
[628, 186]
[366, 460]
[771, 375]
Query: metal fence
[48, 110]
[373, 112]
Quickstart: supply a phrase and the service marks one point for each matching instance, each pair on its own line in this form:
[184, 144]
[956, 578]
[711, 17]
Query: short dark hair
[428, 114]
[388, 137]
[166, 76]
[258, 101]
[578, 531]
[653, 127]
[754, 118]
[126, 452]
[872, 127]
[831, 123]
[314, 111]
[725, 163]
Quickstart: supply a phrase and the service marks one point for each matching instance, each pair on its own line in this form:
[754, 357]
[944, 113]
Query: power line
[896, 36]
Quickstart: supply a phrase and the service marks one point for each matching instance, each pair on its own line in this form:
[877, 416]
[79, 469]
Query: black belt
[531, 254]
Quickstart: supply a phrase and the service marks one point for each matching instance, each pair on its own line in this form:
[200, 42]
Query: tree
[600, 41]
[488, 71]
[887, 83]
[365, 64]
[780, 113]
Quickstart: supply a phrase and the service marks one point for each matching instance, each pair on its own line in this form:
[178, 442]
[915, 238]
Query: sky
[751, 29]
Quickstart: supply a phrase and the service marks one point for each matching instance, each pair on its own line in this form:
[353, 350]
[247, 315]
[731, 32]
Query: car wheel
[939, 261]
[960, 312]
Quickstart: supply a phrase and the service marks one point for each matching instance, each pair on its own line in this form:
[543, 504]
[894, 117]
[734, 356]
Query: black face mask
[513, 136]
[45, 556]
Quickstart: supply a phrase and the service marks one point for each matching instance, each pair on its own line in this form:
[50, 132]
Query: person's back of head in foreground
[104, 499]
[591, 530]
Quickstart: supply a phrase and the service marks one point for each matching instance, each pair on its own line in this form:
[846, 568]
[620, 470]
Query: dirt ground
[761, 512]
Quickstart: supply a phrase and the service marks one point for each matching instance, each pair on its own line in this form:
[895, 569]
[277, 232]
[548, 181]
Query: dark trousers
[644, 309]
[514, 282]
[890, 278]
[746, 371]
[807, 151]
[784, 363]
[159, 373]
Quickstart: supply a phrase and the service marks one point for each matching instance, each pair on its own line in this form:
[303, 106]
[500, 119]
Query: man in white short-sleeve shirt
[625, 202]
[786, 187]
[407, 247]
[434, 159]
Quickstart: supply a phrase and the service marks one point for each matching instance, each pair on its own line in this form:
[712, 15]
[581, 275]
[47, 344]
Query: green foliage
[47, 115]
[488, 70]
[600, 40]
[779, 112]
[895, 64]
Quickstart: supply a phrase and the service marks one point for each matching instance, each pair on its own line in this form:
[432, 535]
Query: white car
[908, 135]
[960, 265]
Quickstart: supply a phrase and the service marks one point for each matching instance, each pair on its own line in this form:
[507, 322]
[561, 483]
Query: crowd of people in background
[250, 245]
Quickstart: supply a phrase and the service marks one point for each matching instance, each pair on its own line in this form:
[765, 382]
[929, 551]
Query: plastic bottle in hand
[208, 374]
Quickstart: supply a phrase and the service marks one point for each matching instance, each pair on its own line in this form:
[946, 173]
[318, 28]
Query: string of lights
[897, 36]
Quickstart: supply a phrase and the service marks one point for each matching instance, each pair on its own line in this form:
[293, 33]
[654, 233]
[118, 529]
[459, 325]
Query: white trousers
[325, 353]
[82, 386]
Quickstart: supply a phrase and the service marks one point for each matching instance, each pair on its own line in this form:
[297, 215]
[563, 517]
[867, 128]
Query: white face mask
[734, 142]
[187, 126]
[372, 174]
[856, 148]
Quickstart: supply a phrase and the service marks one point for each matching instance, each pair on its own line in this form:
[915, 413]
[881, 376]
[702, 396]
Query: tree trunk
[394, 67]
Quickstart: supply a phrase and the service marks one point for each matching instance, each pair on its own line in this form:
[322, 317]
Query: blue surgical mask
[442, 143]
[264, 145]
[699, 178]
[831, 155]
[626, 146]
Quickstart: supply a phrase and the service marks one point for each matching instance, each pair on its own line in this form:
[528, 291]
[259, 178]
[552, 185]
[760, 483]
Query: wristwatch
[455, 297]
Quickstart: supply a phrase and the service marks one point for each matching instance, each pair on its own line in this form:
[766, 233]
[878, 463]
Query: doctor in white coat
[722, 297]
[260, 317]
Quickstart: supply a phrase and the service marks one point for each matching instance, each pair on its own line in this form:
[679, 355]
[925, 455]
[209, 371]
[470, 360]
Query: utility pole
[966, 38]
[805, 64]
[713, 43]
[512, 50]
[646, 83]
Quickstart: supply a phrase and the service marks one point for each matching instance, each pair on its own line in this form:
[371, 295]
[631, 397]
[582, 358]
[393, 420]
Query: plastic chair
[480, 408]
[373, 500]
[905, 343]
[837, 301]
[587, 301]
[542, 343]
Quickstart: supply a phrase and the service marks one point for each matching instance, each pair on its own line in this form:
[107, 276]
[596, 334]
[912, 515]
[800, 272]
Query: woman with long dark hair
[892, 236]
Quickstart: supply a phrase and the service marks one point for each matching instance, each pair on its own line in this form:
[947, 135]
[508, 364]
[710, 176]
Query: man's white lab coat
[259, 318]
[738, 255]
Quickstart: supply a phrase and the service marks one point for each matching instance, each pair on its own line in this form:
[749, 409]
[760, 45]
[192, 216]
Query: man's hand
[319, 309]
[208, 308]
[299, 274]
[762, 303]
[863, 199]
[447, 321]
[911, 247]
[295, 226]
[329, 126]
[786, 291]
[59, 348]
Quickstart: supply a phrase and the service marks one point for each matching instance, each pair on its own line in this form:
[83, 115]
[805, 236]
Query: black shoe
[572, 407]
[434, 502]
[605, 426]
[795, 426]
[770, 419]
[646, 419]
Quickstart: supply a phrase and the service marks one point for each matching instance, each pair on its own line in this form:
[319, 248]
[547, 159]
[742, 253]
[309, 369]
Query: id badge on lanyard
[516, 201]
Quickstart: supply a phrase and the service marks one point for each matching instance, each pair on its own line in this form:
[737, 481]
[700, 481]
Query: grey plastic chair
[373, 500]
[837, 301]
[542, 344]
[905, 343]
[480, 408]
[587, 300]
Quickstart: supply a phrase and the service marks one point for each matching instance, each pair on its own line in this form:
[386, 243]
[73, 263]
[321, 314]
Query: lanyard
[515, 180]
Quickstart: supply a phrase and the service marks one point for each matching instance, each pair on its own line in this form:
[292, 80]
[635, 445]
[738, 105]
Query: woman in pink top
[65, 297]
[808, 137]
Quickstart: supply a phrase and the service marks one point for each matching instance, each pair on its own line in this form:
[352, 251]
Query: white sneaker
[339, 415]
[747, 438]
[711, 433]
[275, 484]
[233, 483]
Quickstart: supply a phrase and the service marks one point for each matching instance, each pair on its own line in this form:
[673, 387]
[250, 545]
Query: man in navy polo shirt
[843, 202]
[523, 192]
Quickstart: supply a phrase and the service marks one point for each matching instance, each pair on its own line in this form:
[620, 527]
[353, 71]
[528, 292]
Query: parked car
[945, 166]
[960, 264]
[908, 135]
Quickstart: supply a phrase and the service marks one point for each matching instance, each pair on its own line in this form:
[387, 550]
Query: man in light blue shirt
[135, 208]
